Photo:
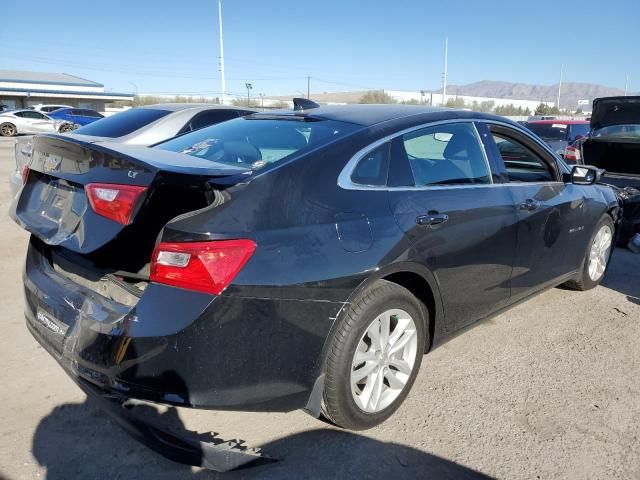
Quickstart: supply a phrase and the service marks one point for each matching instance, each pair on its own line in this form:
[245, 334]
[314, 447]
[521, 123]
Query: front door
[551, 230]
[461, 225]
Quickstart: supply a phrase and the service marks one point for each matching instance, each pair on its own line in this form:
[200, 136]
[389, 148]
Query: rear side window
[123, 123]
[373, 167]
[522, 164]
[446, 155]
[210, 117]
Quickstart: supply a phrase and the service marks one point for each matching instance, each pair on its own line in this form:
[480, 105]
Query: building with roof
[26, 89]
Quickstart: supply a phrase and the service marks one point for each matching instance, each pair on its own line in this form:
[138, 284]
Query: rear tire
[8, 129]
[378, 343]
[597, 257]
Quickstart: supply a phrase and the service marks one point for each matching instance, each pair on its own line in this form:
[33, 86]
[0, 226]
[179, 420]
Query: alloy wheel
[599, 253]
[8, 130]
[383, 361]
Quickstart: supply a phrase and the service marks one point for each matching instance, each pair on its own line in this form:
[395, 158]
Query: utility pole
[308, 87]
[249, 87]
[626, 85]
[222, 85]
[444, 77]
[560, 86]
[261, 101]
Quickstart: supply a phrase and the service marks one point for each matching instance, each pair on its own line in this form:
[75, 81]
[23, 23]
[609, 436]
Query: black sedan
[298, 259]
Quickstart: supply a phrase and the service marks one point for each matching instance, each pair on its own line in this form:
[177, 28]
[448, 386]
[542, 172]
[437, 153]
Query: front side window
[255, 142]
[522, 164]
[34, 115]
[445, 155]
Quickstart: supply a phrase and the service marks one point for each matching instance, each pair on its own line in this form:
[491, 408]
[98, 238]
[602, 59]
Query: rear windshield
[255, 142]
[619, 132]
[122, 123]
[549, 132]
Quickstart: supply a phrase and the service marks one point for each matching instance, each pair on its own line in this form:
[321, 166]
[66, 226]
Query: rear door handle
[530, 205]
[432, 219]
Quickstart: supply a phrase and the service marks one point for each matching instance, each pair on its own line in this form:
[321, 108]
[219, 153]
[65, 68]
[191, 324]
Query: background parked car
[49, 108]
[559, 134]
[28, 121]
[138, 126]
[76, 117]
[155, 123]
[614, 145]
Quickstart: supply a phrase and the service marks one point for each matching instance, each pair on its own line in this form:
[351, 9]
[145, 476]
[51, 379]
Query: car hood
[609, 111]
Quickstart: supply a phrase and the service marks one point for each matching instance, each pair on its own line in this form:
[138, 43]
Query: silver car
[18, 122]
[137, 126]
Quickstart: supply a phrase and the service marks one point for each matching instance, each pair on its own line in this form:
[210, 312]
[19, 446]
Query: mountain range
[570, 94]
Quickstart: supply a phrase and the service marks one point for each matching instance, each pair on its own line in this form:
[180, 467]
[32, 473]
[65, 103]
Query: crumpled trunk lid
[54, 206]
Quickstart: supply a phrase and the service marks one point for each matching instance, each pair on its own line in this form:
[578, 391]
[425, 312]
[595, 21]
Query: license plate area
[57, 200]
[51, 324]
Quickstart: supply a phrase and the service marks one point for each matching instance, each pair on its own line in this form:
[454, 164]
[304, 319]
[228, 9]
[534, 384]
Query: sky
[171, 47]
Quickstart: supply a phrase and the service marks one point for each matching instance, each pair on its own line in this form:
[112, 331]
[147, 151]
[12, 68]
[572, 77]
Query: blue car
[77, 116]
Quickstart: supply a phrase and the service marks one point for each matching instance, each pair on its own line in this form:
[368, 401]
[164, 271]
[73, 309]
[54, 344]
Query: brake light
[116, 202]
[571, 154]
[203, 266]
[25, 174]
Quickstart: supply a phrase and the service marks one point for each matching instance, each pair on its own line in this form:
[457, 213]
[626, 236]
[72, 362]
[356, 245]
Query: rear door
[551, 229]
[461, 225]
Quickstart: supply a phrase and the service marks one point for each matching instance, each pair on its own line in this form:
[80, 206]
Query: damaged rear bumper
[179, 347]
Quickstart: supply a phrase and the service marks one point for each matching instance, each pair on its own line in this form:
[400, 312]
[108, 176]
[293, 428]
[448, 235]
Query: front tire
[374, 355]
[597, 257]
[8, 129]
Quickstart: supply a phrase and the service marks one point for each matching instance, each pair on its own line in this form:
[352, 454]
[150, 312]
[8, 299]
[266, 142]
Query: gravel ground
[547, 390]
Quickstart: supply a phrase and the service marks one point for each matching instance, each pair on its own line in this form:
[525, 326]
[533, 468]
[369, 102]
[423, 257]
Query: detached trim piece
[186, 448]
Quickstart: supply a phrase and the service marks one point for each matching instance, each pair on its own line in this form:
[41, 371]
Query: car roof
[176, 107]
[564, 122]
[370, 114]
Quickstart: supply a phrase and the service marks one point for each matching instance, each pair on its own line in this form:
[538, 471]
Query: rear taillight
[116, 202]
[203, 266]
[571, 154]
[25, 174]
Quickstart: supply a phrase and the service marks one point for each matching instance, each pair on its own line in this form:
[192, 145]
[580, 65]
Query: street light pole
[249, 87]
[308, 87]
[261, 101]
[222, 85]
[560, 86]
[444, 77]
[626, 85]
[135, 87]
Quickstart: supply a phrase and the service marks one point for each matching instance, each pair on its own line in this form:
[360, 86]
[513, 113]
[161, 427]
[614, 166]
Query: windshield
[549, 132]
[619, 132]
[123, 123]
[255, 142]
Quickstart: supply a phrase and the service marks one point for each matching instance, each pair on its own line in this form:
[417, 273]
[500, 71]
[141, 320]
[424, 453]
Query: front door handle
[432, 219]
[529, 205]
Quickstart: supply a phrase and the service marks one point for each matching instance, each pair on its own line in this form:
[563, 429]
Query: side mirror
[585, 175]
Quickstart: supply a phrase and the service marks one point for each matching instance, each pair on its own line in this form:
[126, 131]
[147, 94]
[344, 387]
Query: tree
[456, 103]
[376, 96]
[411, 101]
[542, 109]
[511, 110]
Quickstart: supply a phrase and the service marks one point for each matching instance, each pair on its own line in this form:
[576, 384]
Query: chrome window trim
[344, 179]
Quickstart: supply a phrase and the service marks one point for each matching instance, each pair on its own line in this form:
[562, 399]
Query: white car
[49, 108]
[27, 121]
